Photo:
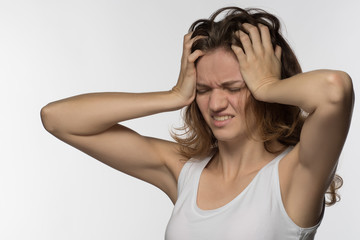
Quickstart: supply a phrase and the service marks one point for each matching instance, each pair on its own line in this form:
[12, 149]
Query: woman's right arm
[93, 113]
[89, 122]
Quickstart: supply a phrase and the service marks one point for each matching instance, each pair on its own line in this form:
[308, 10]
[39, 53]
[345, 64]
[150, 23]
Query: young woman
[261, 143]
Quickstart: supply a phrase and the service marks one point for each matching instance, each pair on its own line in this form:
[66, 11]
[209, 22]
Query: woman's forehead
[217, 67]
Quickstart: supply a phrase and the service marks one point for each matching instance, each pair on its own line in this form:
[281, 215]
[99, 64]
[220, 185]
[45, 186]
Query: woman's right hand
[185, 87]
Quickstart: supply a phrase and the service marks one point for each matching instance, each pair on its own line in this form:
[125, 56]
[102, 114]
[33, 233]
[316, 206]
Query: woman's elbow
[340, 88]
[47, 119]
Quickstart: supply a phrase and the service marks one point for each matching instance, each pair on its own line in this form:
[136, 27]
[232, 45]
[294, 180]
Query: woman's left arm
[326, 95]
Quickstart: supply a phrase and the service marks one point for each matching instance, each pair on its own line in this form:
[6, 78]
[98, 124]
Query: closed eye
[234, 89]
[201, 91]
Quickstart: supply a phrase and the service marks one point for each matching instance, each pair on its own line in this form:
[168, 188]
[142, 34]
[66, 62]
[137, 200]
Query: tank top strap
[283, 154]
[190, 171]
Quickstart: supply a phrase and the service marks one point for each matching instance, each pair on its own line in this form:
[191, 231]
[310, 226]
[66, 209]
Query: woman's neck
[236, 159]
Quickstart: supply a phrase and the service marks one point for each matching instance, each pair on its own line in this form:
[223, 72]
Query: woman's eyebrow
[224, 84]
[228, 83]
[201, 85]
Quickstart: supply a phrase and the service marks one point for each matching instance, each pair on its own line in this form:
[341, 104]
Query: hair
[276, 122]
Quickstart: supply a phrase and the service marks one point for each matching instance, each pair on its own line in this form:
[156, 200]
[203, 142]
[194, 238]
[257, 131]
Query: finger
[188, 42]
[186, 47]
[265, 37]
[197, 38]
[239, 53]
[254, 36]
[278, 52]
[246, 42]
[195, 55]
[187, 37]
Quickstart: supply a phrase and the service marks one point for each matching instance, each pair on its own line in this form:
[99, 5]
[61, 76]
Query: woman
[264, 139]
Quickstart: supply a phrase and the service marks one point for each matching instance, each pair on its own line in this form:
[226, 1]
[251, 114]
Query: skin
[90, 123]
[221, 91]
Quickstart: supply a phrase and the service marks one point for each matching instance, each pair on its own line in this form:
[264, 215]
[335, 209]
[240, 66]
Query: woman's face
[221, 94]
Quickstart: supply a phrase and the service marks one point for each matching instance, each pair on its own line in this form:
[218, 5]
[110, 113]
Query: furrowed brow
[229, 83]
[201, 85]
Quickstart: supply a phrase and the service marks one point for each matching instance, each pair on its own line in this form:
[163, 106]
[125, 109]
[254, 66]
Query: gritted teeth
[222, 118]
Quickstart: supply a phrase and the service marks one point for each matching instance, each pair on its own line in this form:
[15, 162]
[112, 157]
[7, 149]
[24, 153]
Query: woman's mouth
[221, 121]
[222, 118]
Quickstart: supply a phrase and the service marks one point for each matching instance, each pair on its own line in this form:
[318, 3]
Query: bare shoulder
[173, 161]
[301, 195]
[163, 175]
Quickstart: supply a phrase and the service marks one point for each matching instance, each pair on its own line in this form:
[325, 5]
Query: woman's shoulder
[181, 157]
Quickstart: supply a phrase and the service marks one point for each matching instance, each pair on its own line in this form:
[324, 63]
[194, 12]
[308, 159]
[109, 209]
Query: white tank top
[257, 213]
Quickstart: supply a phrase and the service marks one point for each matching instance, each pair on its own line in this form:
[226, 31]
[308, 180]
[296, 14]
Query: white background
[55, 49]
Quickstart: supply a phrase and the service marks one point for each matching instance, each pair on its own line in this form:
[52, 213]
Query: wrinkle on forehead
[217, 67]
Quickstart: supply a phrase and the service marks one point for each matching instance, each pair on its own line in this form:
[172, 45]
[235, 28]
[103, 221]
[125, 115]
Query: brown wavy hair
[276, 122]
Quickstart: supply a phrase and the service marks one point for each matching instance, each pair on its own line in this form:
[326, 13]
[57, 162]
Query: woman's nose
[218, 101]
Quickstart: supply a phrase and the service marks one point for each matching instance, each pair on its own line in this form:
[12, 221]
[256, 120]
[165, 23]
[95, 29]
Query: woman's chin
[228, 136]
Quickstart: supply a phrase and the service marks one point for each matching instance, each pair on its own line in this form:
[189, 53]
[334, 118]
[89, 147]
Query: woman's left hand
[260, 64]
